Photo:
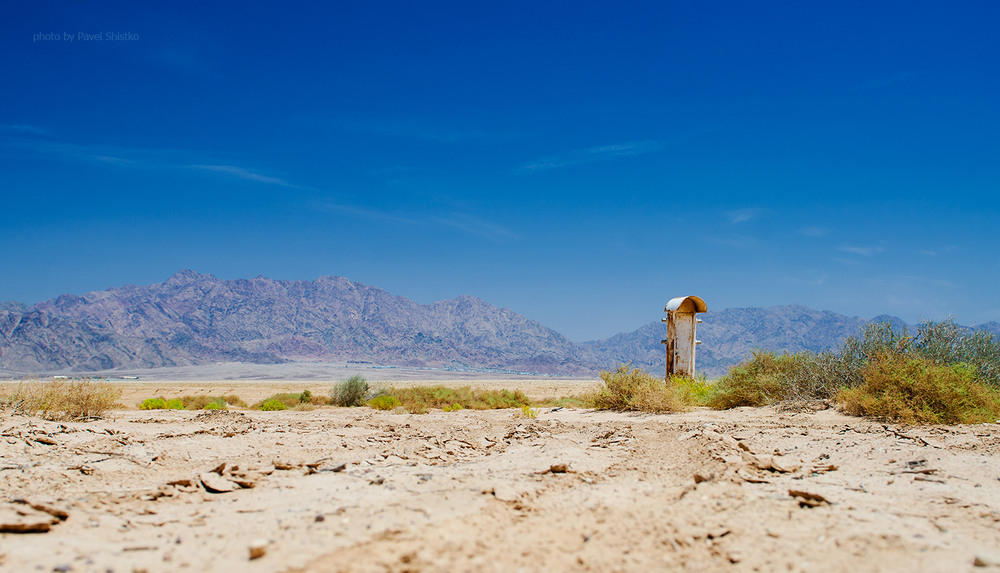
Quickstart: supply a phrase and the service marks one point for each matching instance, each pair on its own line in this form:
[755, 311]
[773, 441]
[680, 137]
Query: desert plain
[798, 487]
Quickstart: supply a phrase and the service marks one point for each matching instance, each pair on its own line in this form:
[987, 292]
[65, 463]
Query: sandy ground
[752, 489]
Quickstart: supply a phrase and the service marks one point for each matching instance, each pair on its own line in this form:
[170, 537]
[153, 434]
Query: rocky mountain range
[195, 318]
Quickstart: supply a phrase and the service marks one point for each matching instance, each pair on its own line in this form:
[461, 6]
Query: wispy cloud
[137, 158]
[471, 225]
[462, 222]
[937, 252]
[105, 154]
[744, 215]
[241, 173]
[743, 242]
[425, 131]
[591, 155]
[23, 129]
[814, 232]
[114, 160]
[863, 251]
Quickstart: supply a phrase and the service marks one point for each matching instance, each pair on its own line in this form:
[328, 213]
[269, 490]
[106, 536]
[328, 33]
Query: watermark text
[94, 36]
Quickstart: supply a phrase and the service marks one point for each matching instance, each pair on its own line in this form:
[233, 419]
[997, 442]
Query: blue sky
[580, 163]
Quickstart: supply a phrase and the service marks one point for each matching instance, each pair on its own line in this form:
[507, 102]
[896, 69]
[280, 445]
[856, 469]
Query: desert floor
[354, 489]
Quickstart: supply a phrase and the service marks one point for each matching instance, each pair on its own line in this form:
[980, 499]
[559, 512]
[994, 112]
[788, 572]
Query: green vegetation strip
[945, 374]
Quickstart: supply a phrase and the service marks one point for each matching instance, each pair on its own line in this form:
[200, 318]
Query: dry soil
[353, 489]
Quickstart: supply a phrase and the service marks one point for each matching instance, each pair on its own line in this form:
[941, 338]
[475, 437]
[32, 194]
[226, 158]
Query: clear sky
[578, 162]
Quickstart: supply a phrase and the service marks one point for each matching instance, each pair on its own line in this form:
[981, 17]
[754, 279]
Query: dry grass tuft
[60, 399]
[637, 390]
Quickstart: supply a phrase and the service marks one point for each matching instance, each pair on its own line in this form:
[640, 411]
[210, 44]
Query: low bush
[350, 392]
[162, 404]
[578, 401]
[211, 402]
[947, 343]
[304, 400]
[384, 402]
[910, 390]
[273, 404]
[944, 374]
[637, 390]
[62, 399]
[420, 399]
[153, 404]
[692, 391]
[764, 379]
[233, 400]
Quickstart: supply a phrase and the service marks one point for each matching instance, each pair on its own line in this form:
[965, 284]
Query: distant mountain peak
[194, 318]
[185, 276]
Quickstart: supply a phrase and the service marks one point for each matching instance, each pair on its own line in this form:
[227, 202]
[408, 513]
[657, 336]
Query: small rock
[214, 483]
[784, 467]
[59, 513]
[14, 519]
[699, 478]
[807, 499]
[258, 549]
[984, 559]
[750, 478]
[334, 469]
[280, 464]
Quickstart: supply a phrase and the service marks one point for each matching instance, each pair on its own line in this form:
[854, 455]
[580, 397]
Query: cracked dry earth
[752, 489]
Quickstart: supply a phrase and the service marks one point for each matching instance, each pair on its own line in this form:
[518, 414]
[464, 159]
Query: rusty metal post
[681, 341]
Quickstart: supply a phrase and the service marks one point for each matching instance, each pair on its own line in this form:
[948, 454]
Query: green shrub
[161, 404]
[877, 339]
[691, 391]
[203, 402]
[305, 396]
[153, 404]
[944, 374]
[350, 392]
[272, 404]
[766, 378]
[384, 402]
[637, 390]
[287, 399]
[912, 390]
[420, 399]
[947, 343]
